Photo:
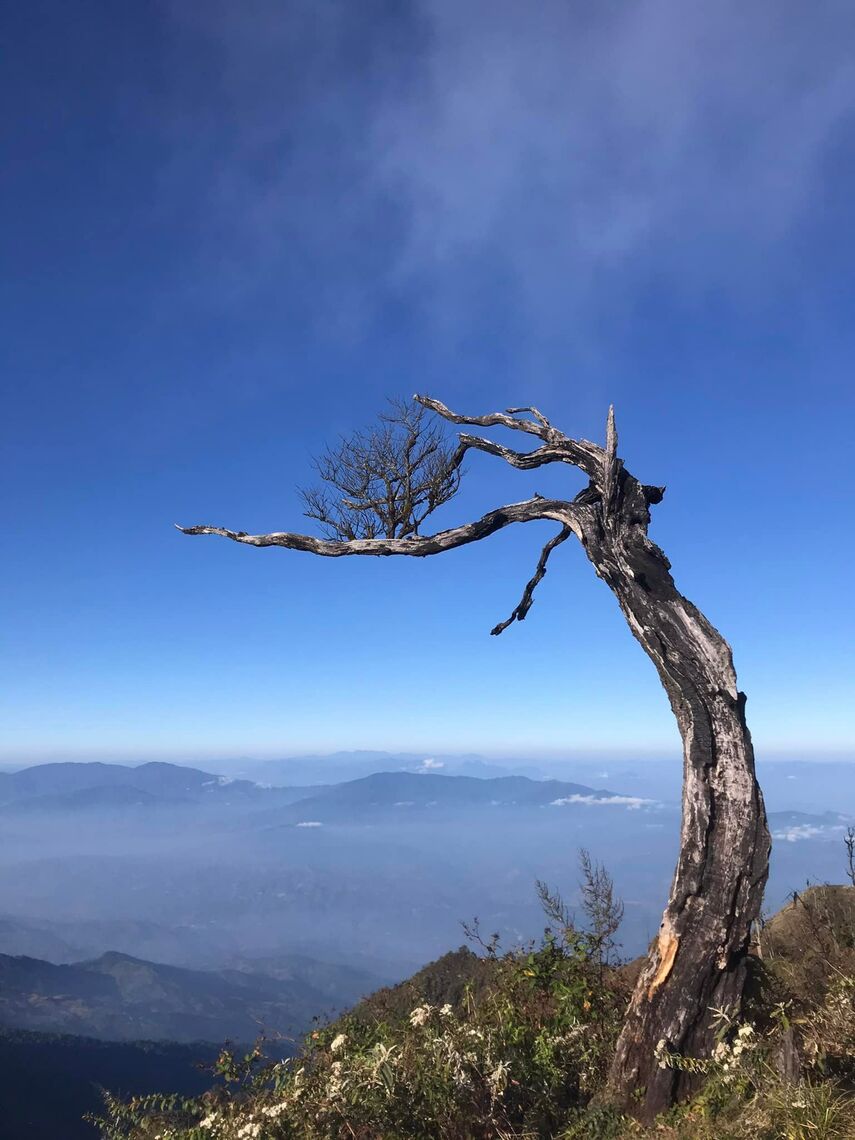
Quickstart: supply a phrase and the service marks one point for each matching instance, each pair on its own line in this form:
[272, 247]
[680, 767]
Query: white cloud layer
[631, 802]
[806, 831]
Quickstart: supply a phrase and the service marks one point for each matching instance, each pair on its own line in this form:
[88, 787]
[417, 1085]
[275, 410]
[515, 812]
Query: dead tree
[699, 959]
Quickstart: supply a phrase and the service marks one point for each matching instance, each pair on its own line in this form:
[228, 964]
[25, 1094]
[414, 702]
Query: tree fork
[699, 960]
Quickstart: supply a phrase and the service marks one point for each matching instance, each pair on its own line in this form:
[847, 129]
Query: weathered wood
[414, 546]
[698, 962]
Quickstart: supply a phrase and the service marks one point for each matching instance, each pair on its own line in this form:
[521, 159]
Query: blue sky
[232, 230]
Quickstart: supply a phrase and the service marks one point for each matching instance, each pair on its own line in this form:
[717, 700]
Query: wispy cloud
[584, 149]
[631, 802]
[806, 831]
[570, 155]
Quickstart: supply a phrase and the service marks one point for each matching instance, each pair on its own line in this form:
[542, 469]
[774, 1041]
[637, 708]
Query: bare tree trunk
[698, 961]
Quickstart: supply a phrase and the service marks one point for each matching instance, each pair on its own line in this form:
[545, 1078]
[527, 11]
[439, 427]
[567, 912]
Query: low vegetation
[517, 1046]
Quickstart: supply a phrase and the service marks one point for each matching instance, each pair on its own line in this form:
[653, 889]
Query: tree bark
[699, 960]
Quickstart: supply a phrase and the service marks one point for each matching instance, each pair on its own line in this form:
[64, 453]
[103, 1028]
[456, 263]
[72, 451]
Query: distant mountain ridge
[341, 767]
[385, 792]
[71, 787]
[121, 998]
[76, 787]
[155, 777]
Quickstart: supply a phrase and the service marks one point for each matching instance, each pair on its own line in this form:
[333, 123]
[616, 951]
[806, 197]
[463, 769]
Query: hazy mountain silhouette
[71, 787]
[118, 997]
[385, 792]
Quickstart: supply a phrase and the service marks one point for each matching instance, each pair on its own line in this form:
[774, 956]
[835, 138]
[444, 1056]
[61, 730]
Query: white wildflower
[446, 1011]
[338, 1042]
[420, 1015]
[249, 1131]
[335, 1084]
[209, 1121]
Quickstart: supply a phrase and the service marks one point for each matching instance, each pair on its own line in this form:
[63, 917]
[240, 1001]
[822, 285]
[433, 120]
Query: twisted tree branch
[581, 453]
[525, 602]
[493, 419]
[539, 416]
[524, 460]
[415, 546]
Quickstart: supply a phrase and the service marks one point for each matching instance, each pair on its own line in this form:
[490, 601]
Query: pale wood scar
[668, 945]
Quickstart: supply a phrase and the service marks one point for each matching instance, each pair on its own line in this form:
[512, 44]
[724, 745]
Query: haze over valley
[165, 901]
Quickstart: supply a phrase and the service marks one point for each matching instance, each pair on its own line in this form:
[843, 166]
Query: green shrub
[520, 1060]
